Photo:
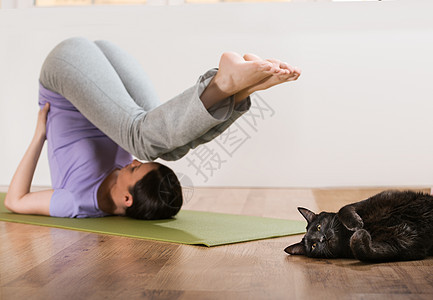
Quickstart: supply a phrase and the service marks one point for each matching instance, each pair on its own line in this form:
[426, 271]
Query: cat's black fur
[389, 226]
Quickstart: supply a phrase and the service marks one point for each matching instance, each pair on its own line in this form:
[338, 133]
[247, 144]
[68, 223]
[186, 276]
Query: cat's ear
[296, 249]
[308, 214]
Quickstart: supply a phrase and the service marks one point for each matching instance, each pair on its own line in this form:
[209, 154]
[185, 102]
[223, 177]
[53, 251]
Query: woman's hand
[41, 125]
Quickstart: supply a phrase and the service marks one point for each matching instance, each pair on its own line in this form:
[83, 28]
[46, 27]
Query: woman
[98, 109]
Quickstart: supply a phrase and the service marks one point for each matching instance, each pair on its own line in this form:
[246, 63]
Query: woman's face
[130, 174]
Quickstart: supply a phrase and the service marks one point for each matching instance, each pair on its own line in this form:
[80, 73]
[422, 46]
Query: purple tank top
[80, 157]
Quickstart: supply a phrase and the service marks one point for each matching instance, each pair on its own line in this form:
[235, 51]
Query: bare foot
[236, 74]
[284, 73]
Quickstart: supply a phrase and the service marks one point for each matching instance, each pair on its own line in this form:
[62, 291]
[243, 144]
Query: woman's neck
[105, 200]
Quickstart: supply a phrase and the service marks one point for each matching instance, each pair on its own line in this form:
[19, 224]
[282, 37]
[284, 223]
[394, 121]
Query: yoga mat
[188, 227]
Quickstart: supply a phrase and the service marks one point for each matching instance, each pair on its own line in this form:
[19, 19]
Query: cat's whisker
[327, 252]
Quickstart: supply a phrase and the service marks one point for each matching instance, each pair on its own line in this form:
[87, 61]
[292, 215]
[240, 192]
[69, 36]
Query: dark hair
[158, 195]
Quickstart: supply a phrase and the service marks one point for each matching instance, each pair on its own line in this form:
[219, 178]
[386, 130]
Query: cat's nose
[322, 238]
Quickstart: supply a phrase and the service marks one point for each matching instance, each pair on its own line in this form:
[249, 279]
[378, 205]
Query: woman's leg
[132, 75]
[79, 71]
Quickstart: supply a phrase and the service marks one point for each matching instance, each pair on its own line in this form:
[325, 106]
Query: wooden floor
[48, 263]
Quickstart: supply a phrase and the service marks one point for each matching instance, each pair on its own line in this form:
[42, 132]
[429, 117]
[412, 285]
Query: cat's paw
[354, 224]
[350, 219]
[360, 236]
[360, 243]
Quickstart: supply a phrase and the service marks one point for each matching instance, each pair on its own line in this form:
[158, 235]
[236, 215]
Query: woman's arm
[19, 199]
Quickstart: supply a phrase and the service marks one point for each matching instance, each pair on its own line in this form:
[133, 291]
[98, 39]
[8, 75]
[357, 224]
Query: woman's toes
[286, 72]
[275, 63]
[285, 77]
[288, 67]
[264, 66]
[279, 63]
[294, 75]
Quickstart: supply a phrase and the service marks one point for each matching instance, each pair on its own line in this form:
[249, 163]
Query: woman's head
[156, 194]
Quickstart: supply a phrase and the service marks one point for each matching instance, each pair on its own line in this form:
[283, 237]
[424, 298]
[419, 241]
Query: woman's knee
[71, 47]
[66, 52]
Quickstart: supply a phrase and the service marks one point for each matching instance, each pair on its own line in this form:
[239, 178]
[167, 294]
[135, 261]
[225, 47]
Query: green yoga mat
[188, 227]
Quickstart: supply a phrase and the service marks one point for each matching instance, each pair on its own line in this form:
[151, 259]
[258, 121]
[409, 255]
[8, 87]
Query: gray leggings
[109, 87]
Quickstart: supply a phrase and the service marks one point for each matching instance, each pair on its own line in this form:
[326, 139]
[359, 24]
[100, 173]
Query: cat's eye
[313, 246]
[318, 227]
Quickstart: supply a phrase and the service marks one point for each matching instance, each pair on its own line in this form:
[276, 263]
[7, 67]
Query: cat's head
[323, 237]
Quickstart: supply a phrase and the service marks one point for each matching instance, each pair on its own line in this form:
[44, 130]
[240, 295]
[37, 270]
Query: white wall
[360, 115]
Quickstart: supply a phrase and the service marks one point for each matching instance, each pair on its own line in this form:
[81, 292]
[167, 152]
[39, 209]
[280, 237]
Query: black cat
[389, 226]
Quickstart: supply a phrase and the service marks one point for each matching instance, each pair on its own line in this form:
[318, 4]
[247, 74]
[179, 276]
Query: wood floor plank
[24, 246]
